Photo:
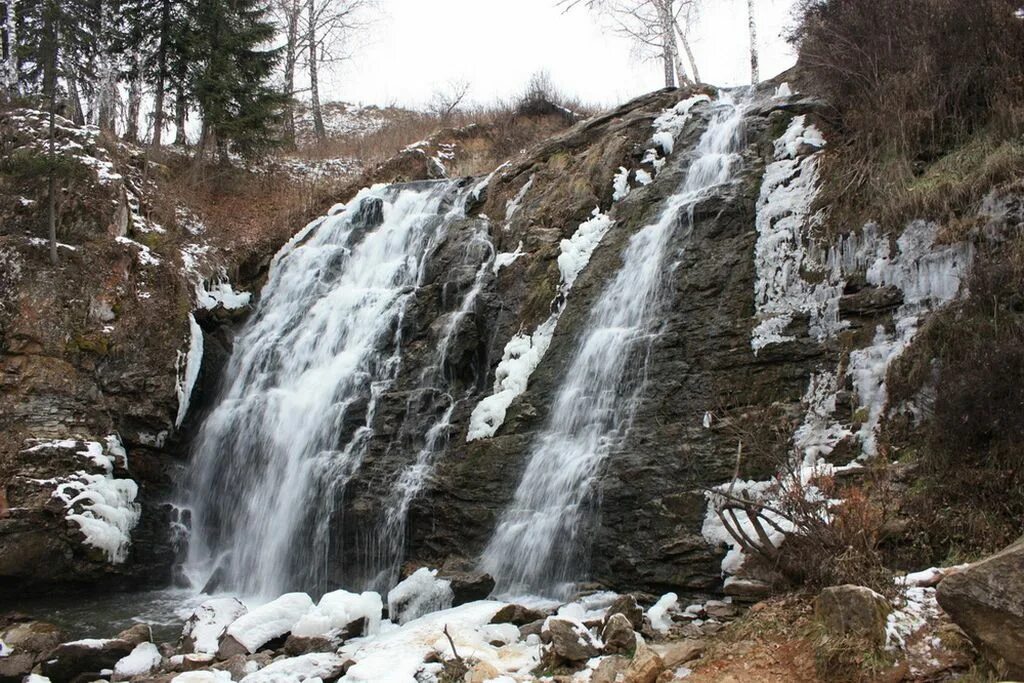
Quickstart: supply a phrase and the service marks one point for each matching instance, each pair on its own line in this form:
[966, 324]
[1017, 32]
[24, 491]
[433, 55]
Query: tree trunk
[689, 54]
[755, 72]
[314, 86]
[50, 90]
[10, 45]
[107, 96]
[77, 113]
[131, 130]
[180, 114]
[290, 59]
[161, 72]
[668, 42]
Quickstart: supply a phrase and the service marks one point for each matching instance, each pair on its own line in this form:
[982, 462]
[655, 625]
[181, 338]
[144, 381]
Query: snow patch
[315, 666]
[659, 613]
[209, 621]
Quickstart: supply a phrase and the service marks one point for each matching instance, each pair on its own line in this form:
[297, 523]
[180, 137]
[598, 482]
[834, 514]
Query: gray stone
[618, 635]
[627, 606]
[853, 610]
[570, 641]
[986, 600]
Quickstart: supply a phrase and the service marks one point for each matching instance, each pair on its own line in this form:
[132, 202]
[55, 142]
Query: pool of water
[106, 615]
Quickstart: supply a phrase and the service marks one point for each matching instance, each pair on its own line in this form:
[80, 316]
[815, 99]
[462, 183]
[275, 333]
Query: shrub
[910, 80]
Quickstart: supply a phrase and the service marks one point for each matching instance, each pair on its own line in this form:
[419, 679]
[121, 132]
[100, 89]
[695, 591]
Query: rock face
[853, 610]
[986, 600]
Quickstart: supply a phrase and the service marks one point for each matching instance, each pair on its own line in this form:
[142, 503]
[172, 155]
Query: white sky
[418, 46]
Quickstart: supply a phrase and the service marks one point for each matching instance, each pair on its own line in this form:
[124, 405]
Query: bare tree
[657, 26]
[289, 14]
[10, 57]
[755, 72]
[445, 101]
[331, 26]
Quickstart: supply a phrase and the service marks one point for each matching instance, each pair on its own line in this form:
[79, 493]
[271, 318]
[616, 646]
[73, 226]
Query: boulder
[209, 621]
[570, 640]
[518, 615]
[27, 643]
[627, 606]
[534, 628]
[136, 635]
[853, 610]
[618, 635]
[90, 656]
[260, 626]
[645, 667]
[986, 600]
[229, 647]
[142, 661]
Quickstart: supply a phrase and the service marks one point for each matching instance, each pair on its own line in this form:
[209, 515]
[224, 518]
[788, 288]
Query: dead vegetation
[928, 102]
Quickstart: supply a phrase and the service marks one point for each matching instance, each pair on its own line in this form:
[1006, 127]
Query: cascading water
[386, 546]
[294, 416]
[536, 545]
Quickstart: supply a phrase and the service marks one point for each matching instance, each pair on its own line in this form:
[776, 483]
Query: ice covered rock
[325, 666]
[339, 610]
[263, 624]
[144, 659]
[422, 592]
[208, 623]
[659, 613]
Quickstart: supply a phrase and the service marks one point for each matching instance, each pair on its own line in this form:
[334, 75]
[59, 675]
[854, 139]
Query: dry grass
[927, 94]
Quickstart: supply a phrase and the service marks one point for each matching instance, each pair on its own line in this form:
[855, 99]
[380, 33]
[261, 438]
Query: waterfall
[537, 545]
[294, 416]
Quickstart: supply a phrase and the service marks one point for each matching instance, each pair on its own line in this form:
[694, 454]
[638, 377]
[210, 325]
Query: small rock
[229, 647]
[618, 635]
[627, 606]
[609, 669]
[570, 640]
[480, 673]
[720, 610]
[679, 652]
[197, 661]
[238, 666]
[747, 590]
[645, 666]
[518, 615]
[301, 645]
[534, 628]
[468, 586]
[853, 610]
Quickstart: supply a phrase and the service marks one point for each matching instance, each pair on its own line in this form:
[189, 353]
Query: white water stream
[537, 546]
[294, 416]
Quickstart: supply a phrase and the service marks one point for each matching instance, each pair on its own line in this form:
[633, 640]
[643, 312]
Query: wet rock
[29, 642]
[618, 635]
[139, 633]
[853, 610]
[518, 615]
[84, 656]
[570, 640]
[468, 586]
[986, 600]
[627, 606]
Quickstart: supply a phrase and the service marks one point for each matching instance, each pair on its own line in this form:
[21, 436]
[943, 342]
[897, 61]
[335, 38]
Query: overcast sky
[418, 46]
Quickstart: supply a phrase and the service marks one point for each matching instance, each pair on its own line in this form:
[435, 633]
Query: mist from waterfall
[538, 546]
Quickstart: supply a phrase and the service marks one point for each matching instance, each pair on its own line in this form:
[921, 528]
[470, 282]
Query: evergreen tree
[231, 85]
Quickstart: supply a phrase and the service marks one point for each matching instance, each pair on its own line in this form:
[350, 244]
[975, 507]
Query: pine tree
[58, 41]
[238, 105]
